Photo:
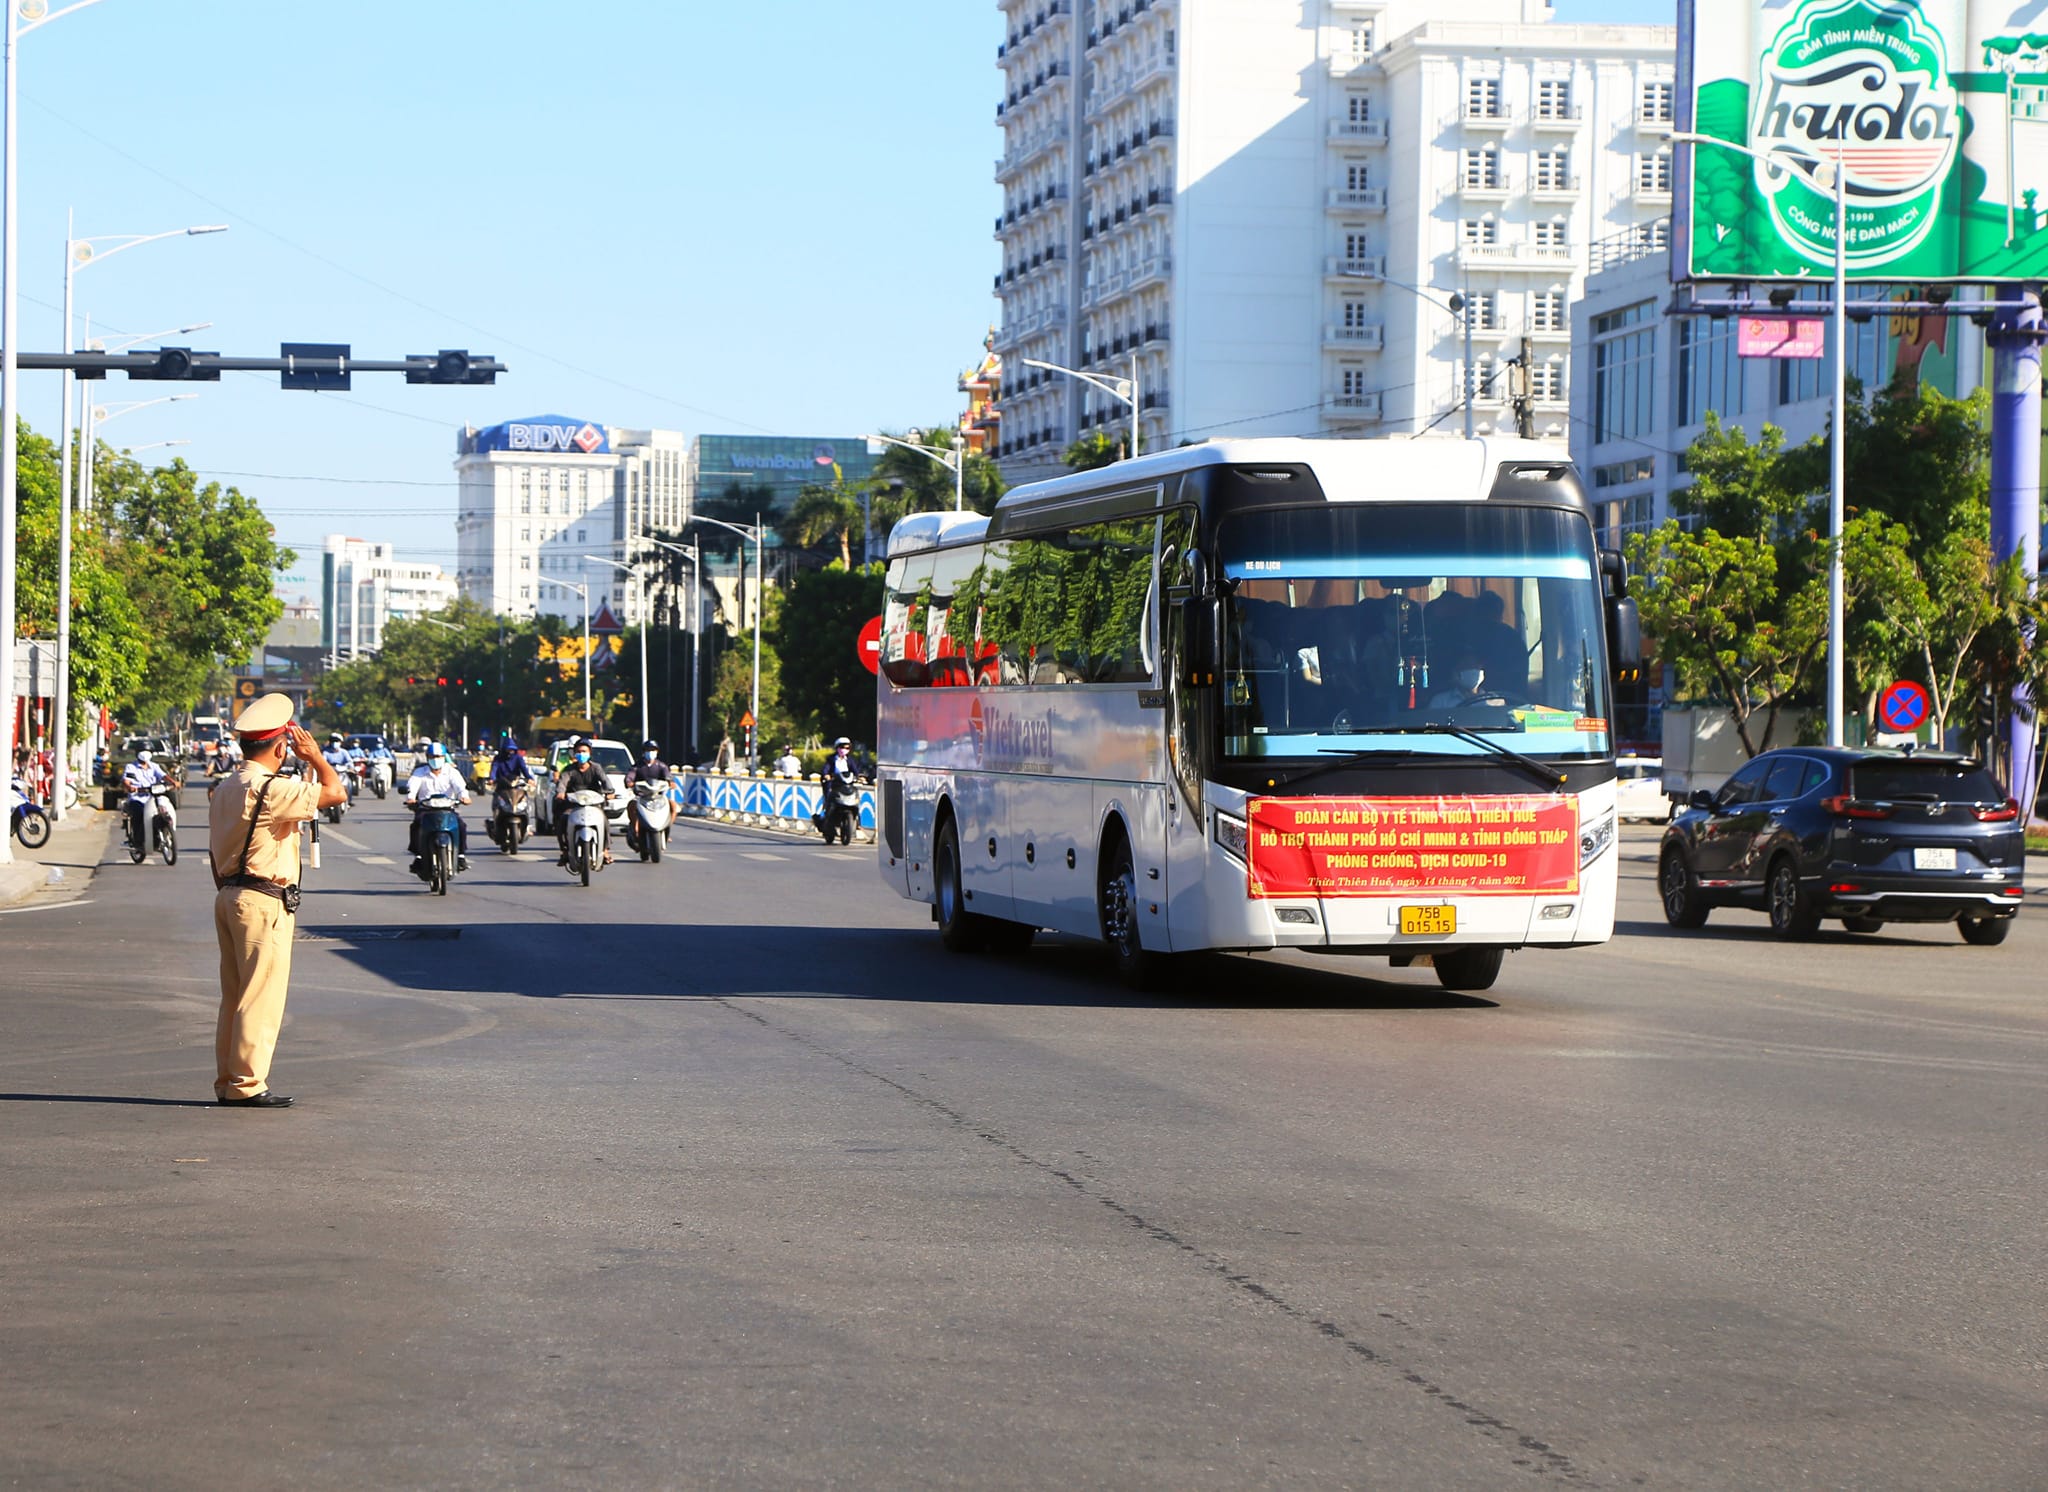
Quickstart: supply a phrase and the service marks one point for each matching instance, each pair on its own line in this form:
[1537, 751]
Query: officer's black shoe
[264, 1100]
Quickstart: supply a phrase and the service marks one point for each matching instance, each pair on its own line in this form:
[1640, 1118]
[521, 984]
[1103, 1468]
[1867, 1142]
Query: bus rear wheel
[1468, 968]
[959, 929]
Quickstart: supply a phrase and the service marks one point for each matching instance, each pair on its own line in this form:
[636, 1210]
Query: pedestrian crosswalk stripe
[685, 855]
[376, 859]
[761, 855]
[340, 838]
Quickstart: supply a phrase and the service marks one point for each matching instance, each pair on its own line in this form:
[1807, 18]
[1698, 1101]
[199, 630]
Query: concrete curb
[30, 873]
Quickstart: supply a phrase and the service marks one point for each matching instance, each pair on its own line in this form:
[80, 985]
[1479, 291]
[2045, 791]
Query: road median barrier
[761, 801]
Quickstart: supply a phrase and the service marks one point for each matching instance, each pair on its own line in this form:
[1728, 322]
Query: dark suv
[1867, 836]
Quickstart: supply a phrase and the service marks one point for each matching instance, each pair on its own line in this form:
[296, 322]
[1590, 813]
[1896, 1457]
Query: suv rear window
[1925, 782]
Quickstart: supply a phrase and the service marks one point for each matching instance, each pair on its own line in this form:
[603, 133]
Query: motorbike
[149, 820]
[586, 831]
[348, 780]
[381, 774]
[648, 820]
[841, 811]
[440, 839]
[511, 815]
[25, 820]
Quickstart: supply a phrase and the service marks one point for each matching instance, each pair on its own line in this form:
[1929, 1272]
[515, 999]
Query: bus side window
[957, 578]
[903, 620]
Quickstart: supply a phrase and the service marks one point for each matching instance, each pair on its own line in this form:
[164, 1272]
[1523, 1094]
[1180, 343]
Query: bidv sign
[527, 436]
[1868, 88]
[1931, 108]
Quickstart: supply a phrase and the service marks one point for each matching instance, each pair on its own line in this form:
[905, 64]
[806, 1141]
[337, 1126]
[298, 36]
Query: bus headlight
[1595, 840]
[1232, 835]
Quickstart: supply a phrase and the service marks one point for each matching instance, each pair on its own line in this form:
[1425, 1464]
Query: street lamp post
[689, 552]
[954, 461]
[1832, 173]
[1459, 305]
[22, 17]
[645, 733]
[1125, 389]
[755, 533]
[584, 592]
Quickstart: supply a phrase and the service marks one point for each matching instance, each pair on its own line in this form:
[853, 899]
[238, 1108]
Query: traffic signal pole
[2016, 482]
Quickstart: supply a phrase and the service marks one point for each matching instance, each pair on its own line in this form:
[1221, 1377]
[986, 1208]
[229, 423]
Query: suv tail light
[2005, 813]
[1843, 806]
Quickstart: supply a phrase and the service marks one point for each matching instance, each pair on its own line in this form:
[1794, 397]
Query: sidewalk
[74, 849]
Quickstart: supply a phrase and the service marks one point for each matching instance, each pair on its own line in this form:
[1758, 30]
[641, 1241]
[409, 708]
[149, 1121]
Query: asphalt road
[722, 1173]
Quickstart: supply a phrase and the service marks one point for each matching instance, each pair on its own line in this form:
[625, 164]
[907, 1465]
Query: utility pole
[1520, 394]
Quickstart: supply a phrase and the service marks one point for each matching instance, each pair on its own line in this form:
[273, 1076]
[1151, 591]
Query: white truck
[1702, 747]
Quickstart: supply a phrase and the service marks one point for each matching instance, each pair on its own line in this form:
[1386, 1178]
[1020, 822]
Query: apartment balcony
[1028, 148]
[1352, 65]
[1352, 409]
[1559, 333]
[1362, 267]
[1481, 119]
[1358, 132]
[1357, 199]
[1548, 258]
[1027, 324]
[1158, 67]
[1554, 188]
[1655, 121]
[1355, 338]
[1486, 188]
[1565, 118]
[1152, 271]
[1658, 194]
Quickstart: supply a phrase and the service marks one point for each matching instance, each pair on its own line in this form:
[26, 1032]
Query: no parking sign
[1903, 708]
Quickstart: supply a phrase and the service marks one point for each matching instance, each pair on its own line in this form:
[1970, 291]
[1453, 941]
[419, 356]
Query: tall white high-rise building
[1258, 212]
[545, 501]
[365, 587]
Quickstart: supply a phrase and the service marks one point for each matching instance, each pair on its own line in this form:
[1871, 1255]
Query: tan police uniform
[254, 928]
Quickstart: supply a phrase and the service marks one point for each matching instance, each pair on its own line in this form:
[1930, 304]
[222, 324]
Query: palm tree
[922, 485]
[1095, 449]
[822, 513]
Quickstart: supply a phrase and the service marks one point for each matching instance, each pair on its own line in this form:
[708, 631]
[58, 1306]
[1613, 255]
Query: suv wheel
[1984, 932]
[1792, 913]
[1684, 906]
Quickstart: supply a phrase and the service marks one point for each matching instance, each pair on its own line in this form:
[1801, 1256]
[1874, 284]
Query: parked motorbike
[25, 820]
[439, 839]
[511, 815]
[149, 820]
[841, 811]
[648, 820]
[586, 830]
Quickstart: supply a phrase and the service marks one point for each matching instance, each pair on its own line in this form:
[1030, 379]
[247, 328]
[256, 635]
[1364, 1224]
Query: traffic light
[179, 365]
[449, 365]
[442, 680]
[412, 678]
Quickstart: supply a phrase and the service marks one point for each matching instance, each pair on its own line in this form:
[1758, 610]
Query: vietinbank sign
[1935, 112]
[546, 434]
[821, 455]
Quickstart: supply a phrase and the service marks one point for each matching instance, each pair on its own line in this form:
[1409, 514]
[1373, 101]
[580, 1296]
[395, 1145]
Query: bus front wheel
[1117, 909]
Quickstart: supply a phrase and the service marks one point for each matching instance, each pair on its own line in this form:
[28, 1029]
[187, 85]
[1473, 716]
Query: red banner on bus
[1495, 846]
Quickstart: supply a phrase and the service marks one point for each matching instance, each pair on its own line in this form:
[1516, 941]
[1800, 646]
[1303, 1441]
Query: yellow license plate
[1428, 922]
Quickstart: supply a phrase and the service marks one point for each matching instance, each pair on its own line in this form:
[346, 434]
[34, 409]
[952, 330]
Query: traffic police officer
[253, 836]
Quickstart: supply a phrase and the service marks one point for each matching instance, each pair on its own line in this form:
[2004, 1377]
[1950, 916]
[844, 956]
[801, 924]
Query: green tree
[824, 514]
[1094, 450]
[826, 688]
[110, 645]
[1714, 603]
[1739, 486]
[909, 483]
[1928, 606]
[731, 691]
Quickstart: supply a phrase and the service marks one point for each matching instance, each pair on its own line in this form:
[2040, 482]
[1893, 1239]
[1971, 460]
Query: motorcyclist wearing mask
[436, 775]
[839, 765]
[579, 774]
[509, 765]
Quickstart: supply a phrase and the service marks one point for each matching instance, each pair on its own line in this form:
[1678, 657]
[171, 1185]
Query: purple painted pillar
[2016, 466]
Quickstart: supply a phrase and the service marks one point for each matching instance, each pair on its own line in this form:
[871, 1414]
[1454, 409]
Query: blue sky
[683, 215]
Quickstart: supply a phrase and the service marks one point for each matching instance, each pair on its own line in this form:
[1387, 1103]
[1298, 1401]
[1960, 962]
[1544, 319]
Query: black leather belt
[289, 895]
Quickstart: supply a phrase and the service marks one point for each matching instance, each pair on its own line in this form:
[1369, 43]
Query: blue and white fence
[785, 803]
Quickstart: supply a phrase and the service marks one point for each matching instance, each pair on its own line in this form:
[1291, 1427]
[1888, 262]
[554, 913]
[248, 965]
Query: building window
[1479, 231]
[1653, 172]
[1709, 372]
[1654, 102]
[1483, 307]
[1554, 170]
[1624, 516]
[1355, 315]
[1481, 168]
[1546, 383]
[1357, 176]
[525, 503]
[1624, 354]
[1357, 246]
[1482, 98]
[1621, 473]
[580, 539]
[1554, 98]
[1546, 311]
[1358, 108]
[1550, 235]
[1487, 385]
[526, 593]
[1360, 41]
[1353, 382]
[526, 536]
[526, 562]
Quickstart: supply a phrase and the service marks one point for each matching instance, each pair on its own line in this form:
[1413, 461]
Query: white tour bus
[1346, 696]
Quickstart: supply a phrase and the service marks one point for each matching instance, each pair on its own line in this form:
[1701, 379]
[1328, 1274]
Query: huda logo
[1863, 85]
[585, 439]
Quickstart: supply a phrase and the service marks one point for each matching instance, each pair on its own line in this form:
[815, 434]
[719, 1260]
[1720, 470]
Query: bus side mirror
[1201, 623]
[1625, 639]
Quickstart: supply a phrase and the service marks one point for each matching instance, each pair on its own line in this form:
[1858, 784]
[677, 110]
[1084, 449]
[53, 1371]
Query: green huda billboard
[1935, 110]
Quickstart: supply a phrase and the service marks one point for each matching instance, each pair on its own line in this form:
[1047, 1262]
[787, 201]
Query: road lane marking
[47, 906]
[760, 855]
[685, 855]
[340, 838]
[376, 859]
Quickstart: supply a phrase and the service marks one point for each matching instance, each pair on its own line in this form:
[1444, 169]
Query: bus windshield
[1359, 627]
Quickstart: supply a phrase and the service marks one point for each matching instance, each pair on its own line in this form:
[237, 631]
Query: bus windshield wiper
[1550, 777]
[1349, 758]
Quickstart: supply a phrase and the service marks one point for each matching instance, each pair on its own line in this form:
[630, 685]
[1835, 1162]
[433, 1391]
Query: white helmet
[142, 757]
